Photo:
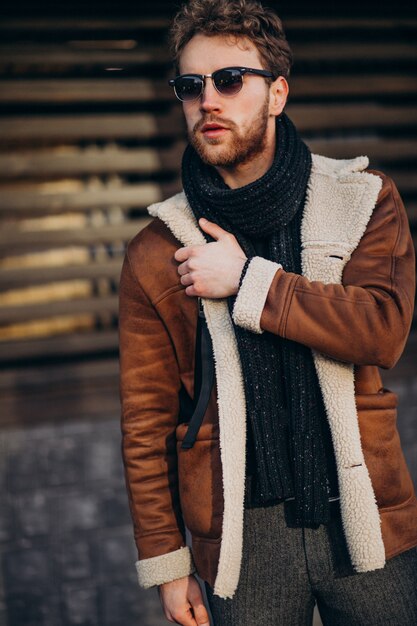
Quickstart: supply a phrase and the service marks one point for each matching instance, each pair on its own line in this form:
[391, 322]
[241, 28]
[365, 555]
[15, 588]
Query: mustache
[222, 122]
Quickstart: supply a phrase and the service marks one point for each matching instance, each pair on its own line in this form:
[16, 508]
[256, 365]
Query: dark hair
[241, 18]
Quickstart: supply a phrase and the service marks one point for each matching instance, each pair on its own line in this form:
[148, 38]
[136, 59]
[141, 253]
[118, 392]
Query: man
[294, 487]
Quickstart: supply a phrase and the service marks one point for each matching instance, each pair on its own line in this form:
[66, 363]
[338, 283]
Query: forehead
[204, 54]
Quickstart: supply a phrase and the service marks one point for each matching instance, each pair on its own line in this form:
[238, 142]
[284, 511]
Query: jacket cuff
[163, 569]
[251, 297]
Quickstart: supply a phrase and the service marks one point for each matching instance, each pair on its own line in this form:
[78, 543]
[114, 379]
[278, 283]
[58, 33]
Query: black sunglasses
[228, 81]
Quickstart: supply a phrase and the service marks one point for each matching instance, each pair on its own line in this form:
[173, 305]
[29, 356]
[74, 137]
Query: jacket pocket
[200, 482]
[382, 449]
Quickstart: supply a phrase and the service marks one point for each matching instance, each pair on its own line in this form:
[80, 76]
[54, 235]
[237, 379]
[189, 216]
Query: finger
[186, 280]
[191, 291]
[182, 254]
[184, 617]
[213, 229]
[183, 268]
[201, 615]
[195, 597]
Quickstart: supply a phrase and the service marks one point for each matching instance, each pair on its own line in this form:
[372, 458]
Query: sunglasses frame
[202, 77]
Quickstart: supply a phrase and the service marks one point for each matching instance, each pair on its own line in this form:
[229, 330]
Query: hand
[211, 270]
[182, 602]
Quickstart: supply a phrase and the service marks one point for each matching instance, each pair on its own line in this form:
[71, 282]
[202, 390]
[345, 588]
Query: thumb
[211, 228]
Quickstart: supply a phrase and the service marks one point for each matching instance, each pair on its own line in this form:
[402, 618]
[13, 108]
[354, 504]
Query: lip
[212, 126]
[212, 130]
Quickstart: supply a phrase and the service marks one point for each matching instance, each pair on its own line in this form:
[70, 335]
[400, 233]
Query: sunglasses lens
[188, 87]
[228, 82]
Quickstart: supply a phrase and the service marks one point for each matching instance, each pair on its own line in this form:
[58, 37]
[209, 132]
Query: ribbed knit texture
[284, 405]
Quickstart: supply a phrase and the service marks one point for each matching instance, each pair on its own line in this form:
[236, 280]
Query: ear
[278, 94]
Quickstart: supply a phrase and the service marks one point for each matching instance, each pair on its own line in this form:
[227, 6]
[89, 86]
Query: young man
[294, 488]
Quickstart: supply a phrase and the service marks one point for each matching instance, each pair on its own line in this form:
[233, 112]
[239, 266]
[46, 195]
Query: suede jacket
[352, 305]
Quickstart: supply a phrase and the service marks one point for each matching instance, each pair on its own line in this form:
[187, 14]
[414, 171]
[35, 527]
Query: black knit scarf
[283, 398]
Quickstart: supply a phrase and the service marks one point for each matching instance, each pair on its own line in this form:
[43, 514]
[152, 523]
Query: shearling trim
[338, 167]
[327, 226]
[163, 569]
[179, 218]
[359, 511]
[251, 297]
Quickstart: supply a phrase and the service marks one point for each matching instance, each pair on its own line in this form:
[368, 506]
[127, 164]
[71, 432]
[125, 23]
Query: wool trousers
[285, 571]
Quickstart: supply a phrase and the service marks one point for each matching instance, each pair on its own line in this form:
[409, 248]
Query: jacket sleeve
[149, 385]
[366, 319]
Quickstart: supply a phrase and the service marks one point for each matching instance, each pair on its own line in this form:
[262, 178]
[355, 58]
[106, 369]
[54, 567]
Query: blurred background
[91, 134]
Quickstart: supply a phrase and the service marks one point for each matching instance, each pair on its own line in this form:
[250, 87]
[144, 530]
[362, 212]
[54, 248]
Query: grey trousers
[286, 571]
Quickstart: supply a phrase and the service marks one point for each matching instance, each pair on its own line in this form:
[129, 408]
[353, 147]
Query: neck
[247, 172]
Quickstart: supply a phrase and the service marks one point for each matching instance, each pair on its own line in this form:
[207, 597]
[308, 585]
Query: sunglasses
[228, 81]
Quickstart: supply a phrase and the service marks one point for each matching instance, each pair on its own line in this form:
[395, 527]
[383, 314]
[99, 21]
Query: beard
[239, 148]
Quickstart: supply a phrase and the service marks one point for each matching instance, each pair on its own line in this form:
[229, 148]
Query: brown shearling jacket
[352, 305]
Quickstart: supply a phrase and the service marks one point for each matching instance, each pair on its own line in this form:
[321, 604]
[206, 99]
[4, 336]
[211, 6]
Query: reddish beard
[234, 148]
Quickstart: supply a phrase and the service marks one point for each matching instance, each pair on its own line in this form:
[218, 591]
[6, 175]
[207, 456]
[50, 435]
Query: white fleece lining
[251, 297]
[358, 191]
[178, 216]
[163, 569]
[340, 200]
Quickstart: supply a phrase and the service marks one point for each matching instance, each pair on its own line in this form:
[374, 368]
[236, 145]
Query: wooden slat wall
[88, 139]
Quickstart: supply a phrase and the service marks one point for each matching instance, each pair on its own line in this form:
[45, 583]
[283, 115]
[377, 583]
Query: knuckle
[200, 614]
[177, 615]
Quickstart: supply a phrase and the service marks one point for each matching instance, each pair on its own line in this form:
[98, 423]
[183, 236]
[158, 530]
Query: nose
[210, 98]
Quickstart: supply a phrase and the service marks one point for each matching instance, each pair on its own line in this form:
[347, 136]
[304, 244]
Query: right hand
[182, 602]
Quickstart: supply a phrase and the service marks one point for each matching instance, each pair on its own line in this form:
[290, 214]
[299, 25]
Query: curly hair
[241, 18]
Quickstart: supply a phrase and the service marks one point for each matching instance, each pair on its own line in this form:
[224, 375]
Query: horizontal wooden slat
[72, 161]
[73, 344]
[73, 127]
[128, 196]
[337, 117]
[54, 56]
[85, 24]
[376, 149]
[72, 91]
[342, 52]
[29, 379]
[349, 23]
[320, 87]
[56, 391]
[14, 239]
[63, 24]
[43, 310]
[19, 277]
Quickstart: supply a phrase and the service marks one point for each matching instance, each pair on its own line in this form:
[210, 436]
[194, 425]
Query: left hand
[211, 270]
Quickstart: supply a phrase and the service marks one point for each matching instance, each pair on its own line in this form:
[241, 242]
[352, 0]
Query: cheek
[190, 116]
